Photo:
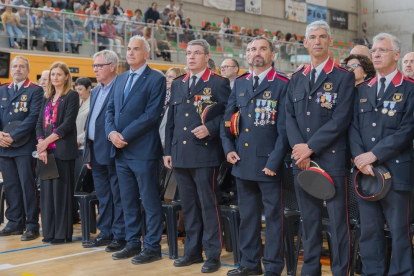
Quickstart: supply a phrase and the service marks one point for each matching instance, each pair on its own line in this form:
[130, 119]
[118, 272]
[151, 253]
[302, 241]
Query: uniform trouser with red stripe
[21, 192]
[201, 211]
[395, 207]
[311, 214]
[252, 196]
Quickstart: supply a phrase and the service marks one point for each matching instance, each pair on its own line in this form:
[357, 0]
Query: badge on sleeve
[398, 97]
[327, 86]
[23, 98]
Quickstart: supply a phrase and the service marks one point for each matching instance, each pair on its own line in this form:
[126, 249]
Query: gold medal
[384, 110]
[262, 110]
[24, 109]
[16, 110]
[391, 113]
[257, 110]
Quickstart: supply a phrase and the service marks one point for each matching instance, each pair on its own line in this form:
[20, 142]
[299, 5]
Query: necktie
[312, 80]
[16, 88]
[256, 82]
[193, 84]
[382, 90]
[129, 85]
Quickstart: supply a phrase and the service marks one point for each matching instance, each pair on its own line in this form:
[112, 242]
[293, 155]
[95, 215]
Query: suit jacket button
[246, 144]
[188, 101]
[374, 124]
[251, 101]
[184, 142]
[308, 113]
[185, 128]
[333, 151]
[206, 144]
[175, 102]
[308, 129]
[247, 130]
[373, 139]
[186, 114]
[376, 109]
[10, 113]
[397, 161]
[250, 115]
[310, 97]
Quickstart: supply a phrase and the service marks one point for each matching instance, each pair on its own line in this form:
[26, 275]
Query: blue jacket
[137, 118]
[389, 137]
[23, 106]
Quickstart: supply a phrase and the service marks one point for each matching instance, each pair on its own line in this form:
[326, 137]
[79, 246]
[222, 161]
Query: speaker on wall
[4, 64]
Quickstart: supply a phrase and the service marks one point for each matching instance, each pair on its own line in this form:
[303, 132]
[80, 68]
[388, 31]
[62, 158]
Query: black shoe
[270, 273]
[30, 235]
[126, 253]
[115, 246]
[60, 241]
[188, 260]
[211, 265]
[96, 242]
[7, 231]
[47, 239]
[146, 256]
[243, 271]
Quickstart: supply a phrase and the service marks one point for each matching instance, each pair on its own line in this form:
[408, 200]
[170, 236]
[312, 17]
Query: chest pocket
[394, 121]
[242, 101]
[364, 114]
[299, 103]
[177, 105]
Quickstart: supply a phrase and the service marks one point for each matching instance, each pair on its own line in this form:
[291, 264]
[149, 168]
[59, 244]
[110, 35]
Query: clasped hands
[301, 153]
[5, 139]
[364, 163]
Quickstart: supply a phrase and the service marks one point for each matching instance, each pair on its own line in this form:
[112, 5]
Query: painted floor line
[9, 266]
[26, 248]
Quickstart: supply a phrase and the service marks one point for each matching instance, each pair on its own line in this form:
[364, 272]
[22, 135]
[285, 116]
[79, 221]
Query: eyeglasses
[100, 66]
[197, 53]
[354, 65]
[409, 61]
[380, 51]
[225, 67]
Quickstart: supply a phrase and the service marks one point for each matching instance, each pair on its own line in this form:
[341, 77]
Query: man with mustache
[318, 107]
[257, 156]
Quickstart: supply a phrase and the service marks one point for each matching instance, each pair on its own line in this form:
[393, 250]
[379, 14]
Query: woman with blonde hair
[56, 134]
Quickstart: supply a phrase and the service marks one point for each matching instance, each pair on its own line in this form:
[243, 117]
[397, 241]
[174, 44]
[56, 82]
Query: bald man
[408, 65]
[361, 50]
[44, 80]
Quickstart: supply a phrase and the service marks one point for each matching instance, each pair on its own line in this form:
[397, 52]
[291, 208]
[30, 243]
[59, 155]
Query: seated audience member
[21, 3]
[208, 35]
[39, 29]
[37, 4]
[60, 4]
[104, 8]
[152, 13]
[226, 28]
[188, 30]
[256, 32]
[83, 86]
[110, 33]
[48, 5]
[138, 17]
[160, 36]
[56, 134]
[180, 11]
[25, 21]
[363, 67]
[54, 30]
[118, 10]
[164, 16]
[10, 23]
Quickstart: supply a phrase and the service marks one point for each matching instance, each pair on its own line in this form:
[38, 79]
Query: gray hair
[263, 38]
[315, 25]
[202, 43]
[109, 57]
[396, 43]
[144, 41]
[22, 58]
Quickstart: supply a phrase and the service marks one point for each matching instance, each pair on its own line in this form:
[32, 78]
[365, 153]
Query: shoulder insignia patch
[7, 83]
[282, 76]
[244, 75]
[300, 69]
[345, 68]
[217, 75]
[35, 85]
[182, 76]
[364, 82]
[409, 79]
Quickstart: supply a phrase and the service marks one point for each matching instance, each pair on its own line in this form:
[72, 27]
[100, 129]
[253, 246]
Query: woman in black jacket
[56, 134]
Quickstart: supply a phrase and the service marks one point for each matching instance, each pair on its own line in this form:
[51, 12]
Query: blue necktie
[129, 85]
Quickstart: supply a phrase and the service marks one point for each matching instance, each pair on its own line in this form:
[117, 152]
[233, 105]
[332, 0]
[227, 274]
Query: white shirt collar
[262, 75]
[319, 68]
[18, 84]
[388, 79]
[198, 75]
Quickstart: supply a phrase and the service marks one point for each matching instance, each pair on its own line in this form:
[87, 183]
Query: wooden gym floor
[37, 258]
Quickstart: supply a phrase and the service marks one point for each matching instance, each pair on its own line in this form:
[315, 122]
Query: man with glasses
[408, 65]
[132, 120]
[193, 149]
[229, 68]
[97, 157]
[318, 107]
[382, 133]
[257, 157]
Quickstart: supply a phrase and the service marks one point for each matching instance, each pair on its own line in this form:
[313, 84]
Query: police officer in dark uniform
[382, 132]
[318, 107]
[194, 151]
[257, 157]
[20, 101]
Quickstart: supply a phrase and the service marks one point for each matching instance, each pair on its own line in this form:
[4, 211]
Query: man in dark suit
[20, 101]
[132, 120]
[194, 150]
[97, 157]
[382, 132]
[318, 107]
[262, 141]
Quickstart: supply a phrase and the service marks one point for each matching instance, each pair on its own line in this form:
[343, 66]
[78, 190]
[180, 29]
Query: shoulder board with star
[281, 75]
[179, 77]
[217, 75]
[344, 67]
[364, 82]
[4, 84]
[300, 69]
[409, 79]
[244, 75]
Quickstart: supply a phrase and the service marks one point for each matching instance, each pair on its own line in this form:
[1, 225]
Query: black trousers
[394, 208]
[21, 192]
[200, 210]
[311, 213]
[252, 196]
[56, 196]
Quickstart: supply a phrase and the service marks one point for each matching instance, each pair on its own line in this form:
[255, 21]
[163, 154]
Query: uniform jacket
[102, 146]
[23, 106]
[66, 145]
[137, 118]
[262, 143]
[390, 138]
[185, 149]
[322, 128]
